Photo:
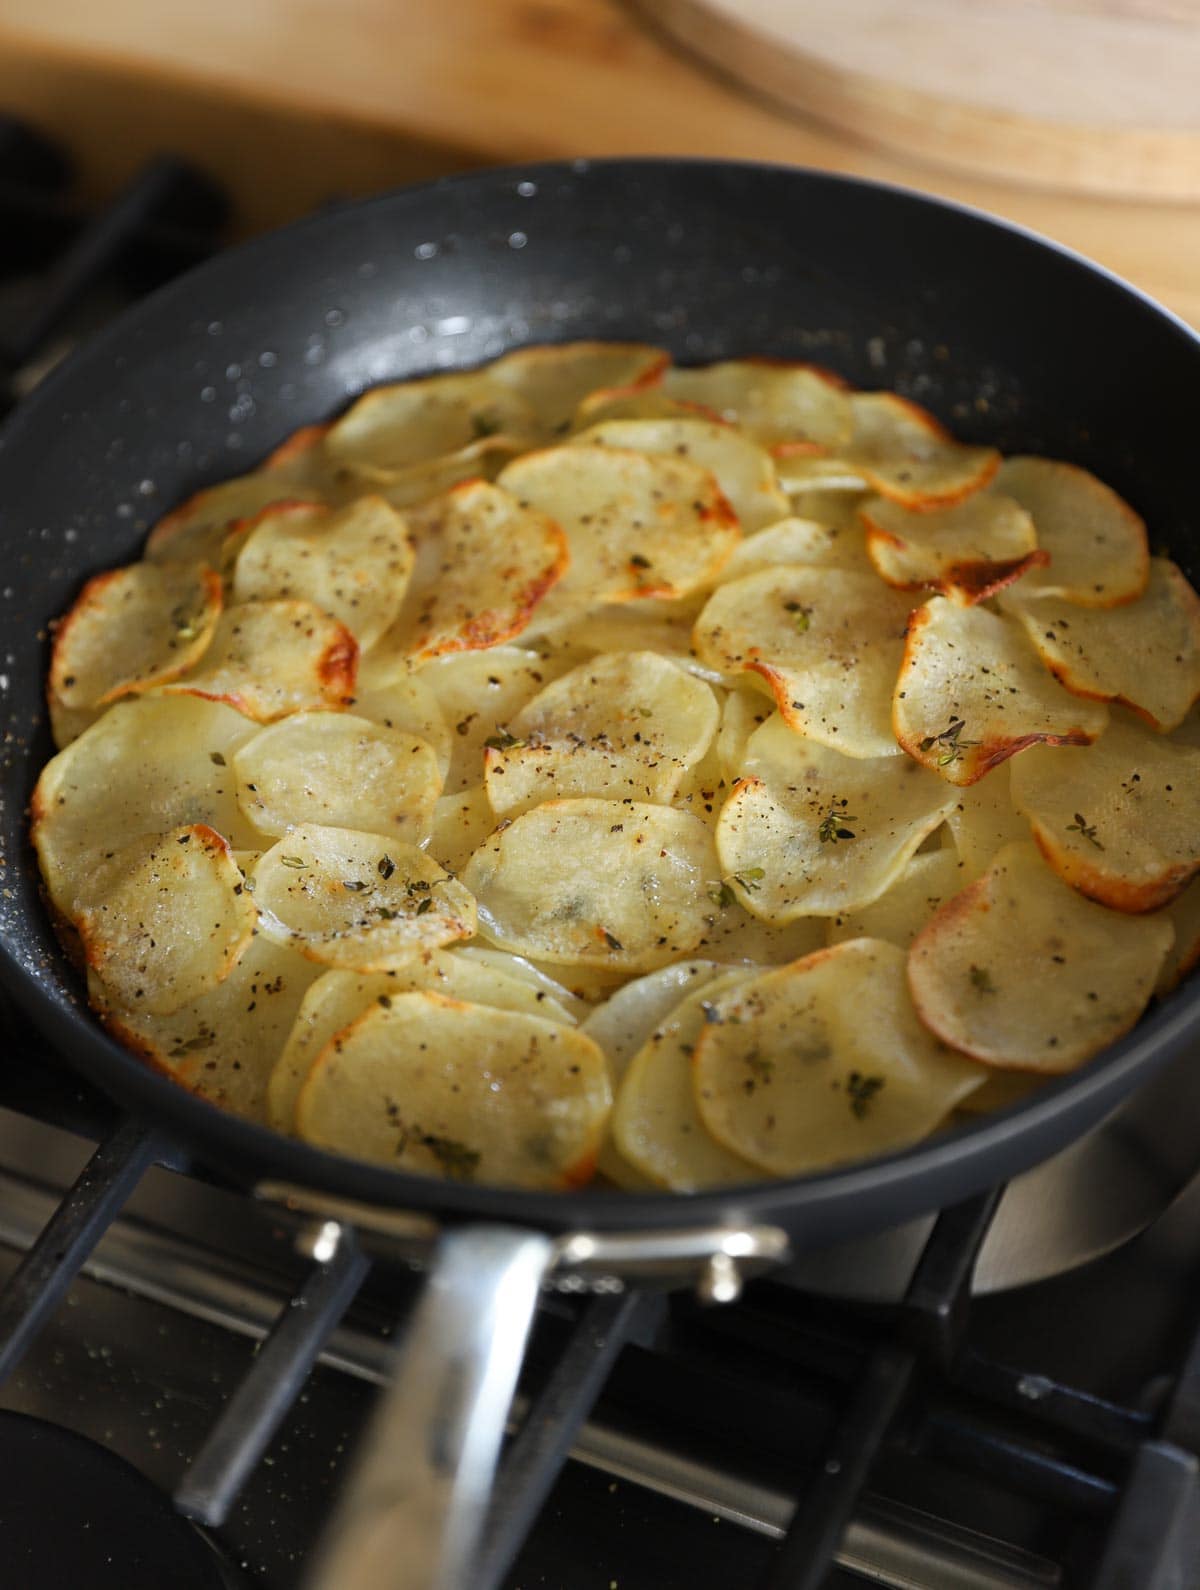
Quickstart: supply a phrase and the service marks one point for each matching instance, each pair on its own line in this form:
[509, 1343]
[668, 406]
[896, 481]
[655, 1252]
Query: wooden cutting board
[1101, 96]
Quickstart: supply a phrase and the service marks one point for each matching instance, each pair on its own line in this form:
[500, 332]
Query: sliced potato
[1097, 543]
[462, 822]
[1021, 971]
[777, 402]
[810, 832]
[541, 994]
[734, 936]
[972, 693]
[353, 562]
[1118, 820]
[983, 820]
[805, 474]
[132, 629]
[271, 658]
[173, 925]
[1183, 913]
[635, 403]
[358, 900]
[908, 457]
[637, 904]
[967, 551]
[445, 1088]
[554, 380]
[341, 771]
[824, 1061]
[898, 915]
[478, 693]
[743, 470]
[662, 626]
[804, 541]
[1144, 654]
[656, 1126]
[827, 642]
[742, 713]
[626, 725]
[387, 693]
[623, 1023]
[197, 529]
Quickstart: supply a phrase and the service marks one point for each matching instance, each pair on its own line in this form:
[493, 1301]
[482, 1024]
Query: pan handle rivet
[320, 1240]
[721, 1281]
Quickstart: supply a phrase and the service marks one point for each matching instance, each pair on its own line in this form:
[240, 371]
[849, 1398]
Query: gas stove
[1003, 1397]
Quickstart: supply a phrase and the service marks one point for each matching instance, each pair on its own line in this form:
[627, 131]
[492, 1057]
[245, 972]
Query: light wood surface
[291, 101]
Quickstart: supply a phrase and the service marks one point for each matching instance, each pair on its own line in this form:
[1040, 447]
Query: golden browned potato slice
[445, 1088]
[172, 926]
[983, 820]
[341, 771]
[909, 457]
[484, 562]
[614, 884]
[624, 726]
[271, 658]
[805, 541]
[149, 764]
[778, 403]
[353, 562]
[1119, 820]
[358, 900]
[1097, 544]
[827, 642]
[1144, 654]
[387, 693]
[824, 1061]
[554, 380]
[478, 693]
[972, 692]
[656, 1126]
[744, 470]
[1183, 913]
[1021, 971]
[461, 823]
[810, 832]
[967, 551]
[899, 914]
[638, 525]
[635, 403]
[132, 629]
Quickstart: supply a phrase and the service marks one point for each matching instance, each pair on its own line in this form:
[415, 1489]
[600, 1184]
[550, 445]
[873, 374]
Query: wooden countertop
[291, 101]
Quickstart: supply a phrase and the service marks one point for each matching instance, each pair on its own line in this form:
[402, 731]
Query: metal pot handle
[414, 1507]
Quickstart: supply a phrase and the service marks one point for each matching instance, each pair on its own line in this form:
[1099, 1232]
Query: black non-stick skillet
[1007, 338]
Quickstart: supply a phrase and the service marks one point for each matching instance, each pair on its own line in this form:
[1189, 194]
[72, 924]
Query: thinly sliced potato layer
[898, 915]
[296, 472]
[626, 1021]
[173, 925]
[1144, 654]
[341, 771]
[353, 562]
[638, 903]
[662, 626]
[478, 694]
[804, 541]
[805, 475]
[635, 403]
[743, 712]
[1183, 913]
[972, 692]
[625, 726]
[734, 936]
[1019, 970]
[387, 693]
[271, 658]
[908, 457]
[810, 832]
[462, 822]
[778, 403]
[827, 642]
[1119, 820]
[358, 900]
[445, 1088]
[968, 551]
[983, 820]
[1097, 543]
[554, 380]
[824, 1061]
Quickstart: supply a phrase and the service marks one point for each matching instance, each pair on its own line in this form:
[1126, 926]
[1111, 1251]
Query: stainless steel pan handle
[414, 1507]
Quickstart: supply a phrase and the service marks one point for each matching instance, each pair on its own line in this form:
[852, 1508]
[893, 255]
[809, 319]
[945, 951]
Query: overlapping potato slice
[909, 457]
[899, 914]
[554, 380]
[743, 470]
[1144, 654]
[550, 998]
[1021, 971]
[983, 820]
[132, 629]
[824, 1061]
[341, 771]
[445, 1088]
[624, 726]
[339, 998]
[662, 626]
[172, 925]
[776, 402]
[809, 475]
[387, 693]
[638, 524]
[478, 694]
[968, 551]
[624, 1022]
[271, 658]
[810, 832]
[638, 903]
[635, 403]
[828, 643]
[1097, 543]
[742, 713]
[484, 562]
[972, 692]
[353, 562]
[1183, 913]
[656, 1126]
[1119, 820]
[358, 900]
[198, 527]
[151, 763]
[804, 541]
[461, 823]
[735, 936]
